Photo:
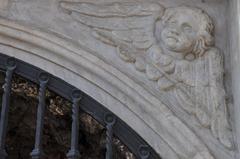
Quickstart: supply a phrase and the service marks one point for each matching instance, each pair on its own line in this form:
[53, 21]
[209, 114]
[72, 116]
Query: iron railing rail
[113, 124]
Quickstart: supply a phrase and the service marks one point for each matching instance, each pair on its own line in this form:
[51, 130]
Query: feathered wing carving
[127, 26]
[203, 94]
[130, 28]
[219, 115]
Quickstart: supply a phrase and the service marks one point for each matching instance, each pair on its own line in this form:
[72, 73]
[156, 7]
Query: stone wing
[203, 95]
[127, 26]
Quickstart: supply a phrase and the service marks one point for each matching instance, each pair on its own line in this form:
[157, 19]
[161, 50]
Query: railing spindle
[143, 152]
[110, 120]
[37, 152]
[11, 65]
[74, 152]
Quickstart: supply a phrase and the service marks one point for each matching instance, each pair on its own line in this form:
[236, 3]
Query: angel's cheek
[164, 35]
[171, 43]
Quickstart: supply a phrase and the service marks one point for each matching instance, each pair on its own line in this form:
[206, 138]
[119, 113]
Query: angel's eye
[187, 28]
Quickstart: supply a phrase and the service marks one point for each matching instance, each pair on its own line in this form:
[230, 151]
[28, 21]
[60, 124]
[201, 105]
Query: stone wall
[163, 66]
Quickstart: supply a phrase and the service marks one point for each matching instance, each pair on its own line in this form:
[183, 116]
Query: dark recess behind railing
[120, 129]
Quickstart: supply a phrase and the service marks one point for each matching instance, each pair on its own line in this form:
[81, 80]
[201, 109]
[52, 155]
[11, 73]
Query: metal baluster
[74, 152]
[37, 152]
[110, 120]
[143, 152]
[11, 65]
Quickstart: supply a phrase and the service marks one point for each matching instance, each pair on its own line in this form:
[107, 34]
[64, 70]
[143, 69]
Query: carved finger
[169, 68]
[165, 84]
[152, 73]
[140, 64]
[165, 60]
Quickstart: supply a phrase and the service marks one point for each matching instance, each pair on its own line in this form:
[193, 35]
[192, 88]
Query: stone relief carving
[173, 47]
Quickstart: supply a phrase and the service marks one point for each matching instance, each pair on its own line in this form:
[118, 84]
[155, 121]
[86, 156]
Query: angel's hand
[159, 64]
[163, 79]
[164, 62]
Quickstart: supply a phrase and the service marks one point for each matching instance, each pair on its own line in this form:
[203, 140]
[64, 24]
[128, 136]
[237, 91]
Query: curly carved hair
[206, 39]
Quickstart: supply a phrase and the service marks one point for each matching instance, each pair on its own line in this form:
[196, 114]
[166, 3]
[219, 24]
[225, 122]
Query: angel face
[183, 27]
[180, 33]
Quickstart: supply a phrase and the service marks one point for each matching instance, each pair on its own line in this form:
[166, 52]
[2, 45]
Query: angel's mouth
[172, 38]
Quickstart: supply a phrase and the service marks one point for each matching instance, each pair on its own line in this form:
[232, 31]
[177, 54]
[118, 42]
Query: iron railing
[113, 125]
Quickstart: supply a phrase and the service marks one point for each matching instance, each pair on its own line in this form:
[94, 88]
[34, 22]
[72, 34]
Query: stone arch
[142, 111]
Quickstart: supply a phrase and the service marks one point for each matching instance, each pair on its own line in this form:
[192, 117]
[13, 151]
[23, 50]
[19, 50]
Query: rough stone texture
[3, 4]
[234, 27]
[158, 65]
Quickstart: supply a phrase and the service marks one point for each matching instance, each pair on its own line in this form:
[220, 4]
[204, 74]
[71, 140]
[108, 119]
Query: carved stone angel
[197, 78]
[182, 60]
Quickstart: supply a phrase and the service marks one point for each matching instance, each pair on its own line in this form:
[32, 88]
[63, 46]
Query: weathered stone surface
[3, 4]
[157, 64]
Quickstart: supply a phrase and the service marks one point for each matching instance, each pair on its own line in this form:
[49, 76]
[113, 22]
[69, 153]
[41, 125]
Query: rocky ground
[57, 128]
